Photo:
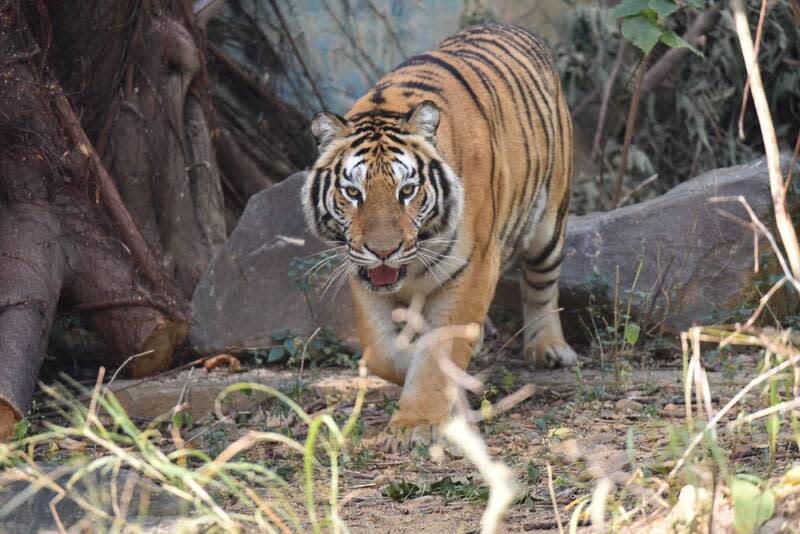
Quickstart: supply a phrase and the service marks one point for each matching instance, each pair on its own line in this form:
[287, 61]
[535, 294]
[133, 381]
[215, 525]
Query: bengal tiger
[454, 164]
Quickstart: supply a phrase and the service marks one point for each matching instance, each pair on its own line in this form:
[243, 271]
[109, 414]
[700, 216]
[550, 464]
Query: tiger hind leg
[544, 343]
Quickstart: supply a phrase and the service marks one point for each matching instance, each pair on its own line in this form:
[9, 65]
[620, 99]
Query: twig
[599, 134]
[637, 189]
[204, 10]
[790, 174]
[766, 233]
[553, 498]
[497, 475]
[757, 312]
[731, 403]
[746, 92]
[305, 348]
[504, 404]
[629, 127]
[297, 54]
[588, 99]
[526, 325]
[91, 414]
[121, 367]
[389, 28]
[778, 408]
[783, 220]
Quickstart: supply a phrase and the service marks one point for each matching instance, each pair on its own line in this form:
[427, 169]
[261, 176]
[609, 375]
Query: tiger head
[381, 189]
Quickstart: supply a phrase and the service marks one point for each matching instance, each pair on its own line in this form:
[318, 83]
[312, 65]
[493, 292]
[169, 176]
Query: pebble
[628, 405]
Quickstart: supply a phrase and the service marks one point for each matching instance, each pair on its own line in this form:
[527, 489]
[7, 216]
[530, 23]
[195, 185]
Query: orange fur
[481, 121]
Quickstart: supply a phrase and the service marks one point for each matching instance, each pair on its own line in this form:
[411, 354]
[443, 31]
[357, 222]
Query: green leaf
[673, 40]
[641, 31]
[400, 490]
[280, 335]
[276, 354]
[627, 8]
[752, 506]
[632, 331]
[534, 473]
[289, 344]
[664, 8]
[21, 428]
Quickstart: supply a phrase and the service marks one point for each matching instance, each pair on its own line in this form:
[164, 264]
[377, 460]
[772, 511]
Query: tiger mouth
[383, 277]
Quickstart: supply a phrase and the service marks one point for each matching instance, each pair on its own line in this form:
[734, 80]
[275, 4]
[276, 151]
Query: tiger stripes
[451, 167]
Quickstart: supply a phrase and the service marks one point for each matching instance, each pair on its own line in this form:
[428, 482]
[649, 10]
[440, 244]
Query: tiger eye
[407, 189]
[351, 191]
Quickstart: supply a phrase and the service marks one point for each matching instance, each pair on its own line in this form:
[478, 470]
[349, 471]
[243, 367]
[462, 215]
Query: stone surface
[249, 290]
[346, 47]
[198, 389]
[33, 513]
[693, 264]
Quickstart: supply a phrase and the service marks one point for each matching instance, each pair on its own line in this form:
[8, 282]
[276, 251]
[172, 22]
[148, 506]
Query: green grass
[219, 490]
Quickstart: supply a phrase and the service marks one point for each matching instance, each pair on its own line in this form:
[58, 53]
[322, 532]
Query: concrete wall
[347, 45]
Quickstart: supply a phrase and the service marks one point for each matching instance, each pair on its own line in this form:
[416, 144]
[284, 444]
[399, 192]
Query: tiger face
[380, 188]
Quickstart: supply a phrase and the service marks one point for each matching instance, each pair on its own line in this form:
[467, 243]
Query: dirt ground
[590, 423]
[570, 423]
[623, 420]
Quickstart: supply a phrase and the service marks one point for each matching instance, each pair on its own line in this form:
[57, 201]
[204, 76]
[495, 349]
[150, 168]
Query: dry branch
[128, 231]
[783, 220]
[629, 129]
[598, 145]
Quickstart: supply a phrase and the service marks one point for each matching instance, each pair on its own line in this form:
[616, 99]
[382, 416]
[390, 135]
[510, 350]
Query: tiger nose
[385, 253]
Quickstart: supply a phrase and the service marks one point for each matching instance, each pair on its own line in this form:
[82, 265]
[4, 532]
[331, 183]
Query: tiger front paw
[552, 354]
[408, 430]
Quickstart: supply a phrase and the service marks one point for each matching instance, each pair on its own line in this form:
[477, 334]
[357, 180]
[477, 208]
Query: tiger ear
[423, 120]
[325, 126]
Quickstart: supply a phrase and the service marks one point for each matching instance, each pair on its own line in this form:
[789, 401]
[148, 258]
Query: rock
[249, 290]
[148, 399]
[694, 264]
[32, 513]
[628, 405]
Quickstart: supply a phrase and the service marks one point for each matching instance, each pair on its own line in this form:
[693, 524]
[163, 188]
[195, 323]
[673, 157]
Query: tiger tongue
[383, 275]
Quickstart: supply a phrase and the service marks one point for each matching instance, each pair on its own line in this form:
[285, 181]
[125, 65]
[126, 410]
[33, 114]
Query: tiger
[452, 168]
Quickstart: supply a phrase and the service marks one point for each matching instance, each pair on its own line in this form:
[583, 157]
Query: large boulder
[253, 286]
[678, 259]
[694, 264]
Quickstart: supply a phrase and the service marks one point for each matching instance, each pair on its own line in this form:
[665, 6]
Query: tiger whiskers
[343, 279]
[338, 247]
[323, 262]
[339, 272]
[427, 262]
[448, 259]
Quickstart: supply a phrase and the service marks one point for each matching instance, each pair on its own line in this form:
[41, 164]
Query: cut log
[32, 269]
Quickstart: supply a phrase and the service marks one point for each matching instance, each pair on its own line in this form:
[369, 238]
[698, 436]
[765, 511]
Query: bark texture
[65, 238]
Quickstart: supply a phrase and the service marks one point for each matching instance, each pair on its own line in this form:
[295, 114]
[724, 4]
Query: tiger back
[453, 165]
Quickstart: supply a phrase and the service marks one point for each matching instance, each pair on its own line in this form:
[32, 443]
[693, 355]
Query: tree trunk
[111, 198]
[65, 237]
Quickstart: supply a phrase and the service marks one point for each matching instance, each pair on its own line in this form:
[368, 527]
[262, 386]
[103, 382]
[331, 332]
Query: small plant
[321, 349]
[448, 488]
[643, 23]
